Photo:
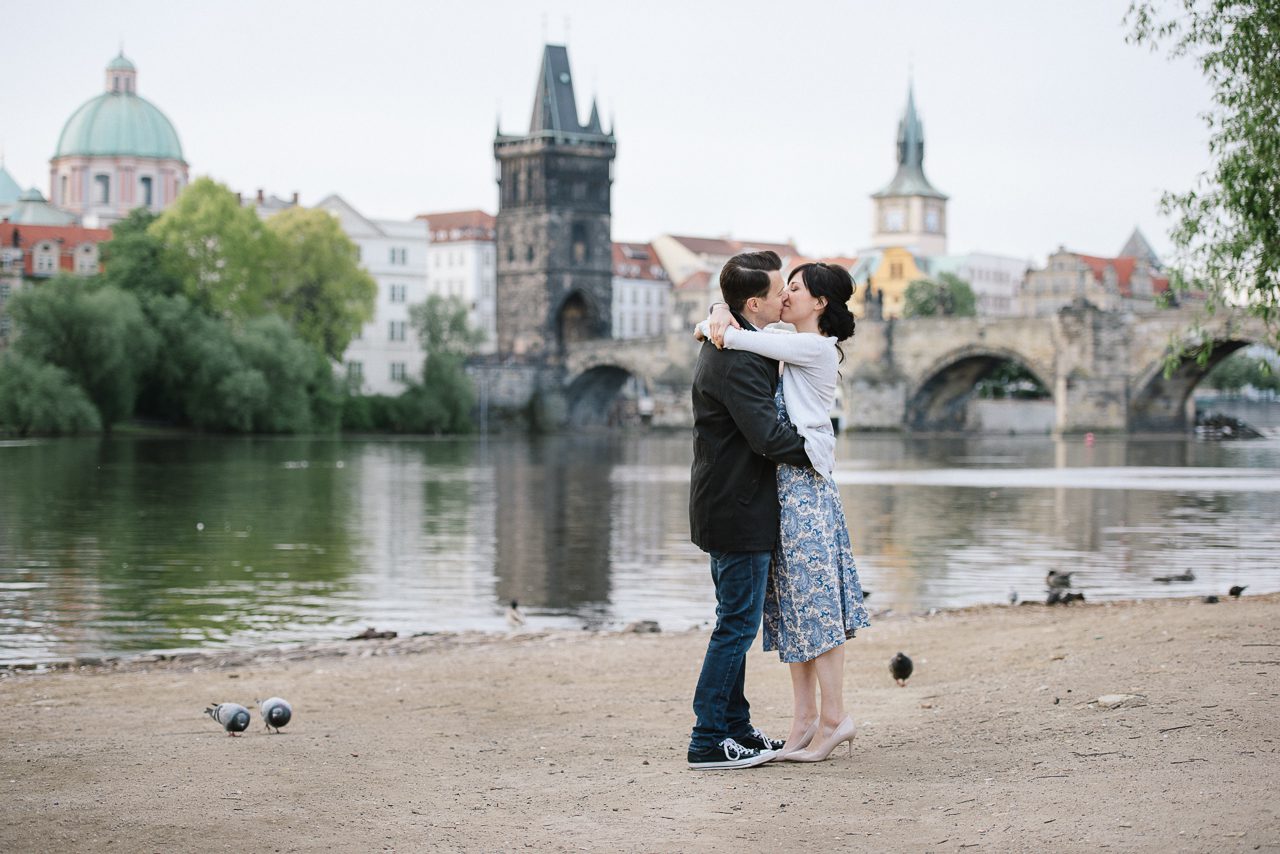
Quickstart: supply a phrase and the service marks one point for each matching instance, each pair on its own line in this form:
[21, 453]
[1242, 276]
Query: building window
[145, 185]
[579, 243]
[87, 260]
[101, 189]
[895, 270]
[4, 292]
[397, 371]
[46, 260]
[397, 330]
[399, 256]
[62, 197]
[398, 293]
[355, 370]
[359, 253]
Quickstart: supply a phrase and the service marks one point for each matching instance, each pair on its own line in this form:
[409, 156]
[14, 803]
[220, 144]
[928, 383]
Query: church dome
[119, 122]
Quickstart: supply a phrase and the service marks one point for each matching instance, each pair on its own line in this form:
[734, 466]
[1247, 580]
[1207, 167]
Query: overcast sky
[761, 120]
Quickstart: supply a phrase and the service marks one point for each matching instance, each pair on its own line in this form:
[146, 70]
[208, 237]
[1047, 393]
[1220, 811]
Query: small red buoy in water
[1088, 440]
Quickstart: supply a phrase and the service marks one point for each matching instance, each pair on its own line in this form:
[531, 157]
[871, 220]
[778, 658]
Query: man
[733, 509]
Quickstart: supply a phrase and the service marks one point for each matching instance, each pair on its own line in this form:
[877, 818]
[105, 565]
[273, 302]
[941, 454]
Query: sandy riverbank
[576, 742]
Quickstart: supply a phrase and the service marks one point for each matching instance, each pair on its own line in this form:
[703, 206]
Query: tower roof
[555, 109]
[119, 122]
[1138, 247]
[910, 179]
[9, 189]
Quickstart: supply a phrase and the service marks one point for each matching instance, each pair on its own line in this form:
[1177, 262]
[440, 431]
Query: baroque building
[117, 152]
[554, 245]
[461, 265]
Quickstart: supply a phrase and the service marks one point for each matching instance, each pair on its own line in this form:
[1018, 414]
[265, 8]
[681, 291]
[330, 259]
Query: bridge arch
[599, 396]
[1163, 404]
[939, 400]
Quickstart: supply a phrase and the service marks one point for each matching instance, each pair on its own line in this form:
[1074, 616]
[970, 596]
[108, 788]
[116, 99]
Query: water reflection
[127, 544]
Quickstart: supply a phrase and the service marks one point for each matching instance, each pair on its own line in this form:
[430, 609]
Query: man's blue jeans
[719, 704]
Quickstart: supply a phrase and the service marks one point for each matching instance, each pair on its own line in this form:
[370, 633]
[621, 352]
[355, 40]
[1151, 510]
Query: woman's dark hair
[833, 282]
[746, 275]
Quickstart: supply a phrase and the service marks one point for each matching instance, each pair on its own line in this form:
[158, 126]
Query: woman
[813, 601]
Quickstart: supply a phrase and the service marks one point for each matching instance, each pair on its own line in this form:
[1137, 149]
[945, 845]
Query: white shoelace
[732, 750]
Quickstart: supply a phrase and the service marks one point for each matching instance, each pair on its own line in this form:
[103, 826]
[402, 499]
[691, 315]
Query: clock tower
[909, 212]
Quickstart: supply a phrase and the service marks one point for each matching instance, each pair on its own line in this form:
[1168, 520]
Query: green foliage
[220, 252]
[320, 287]
[1010, 380]
[442, 326]
[1227, 231]
[1244, 368]
[41, 399]
[946, 296]
[133, 259]
[97, 333]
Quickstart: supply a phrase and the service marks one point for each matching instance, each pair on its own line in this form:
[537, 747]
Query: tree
[220, 252]
[442, 403]
[134, 258]
[946, 296]
[320, 288]
[96, 332]
[37, 398]
[1227, 228]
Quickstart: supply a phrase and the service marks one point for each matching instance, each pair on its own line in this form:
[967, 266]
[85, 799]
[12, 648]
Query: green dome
[120, 63]
[122, 124]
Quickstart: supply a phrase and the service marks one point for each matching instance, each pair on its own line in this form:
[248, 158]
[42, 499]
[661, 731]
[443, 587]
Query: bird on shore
[1058, 579]
[1236, 590]
[515, 617]
[275, 713]
[1183, 576]
[233, 717]
[1013, 597]
[900, 667]
[1211, 600]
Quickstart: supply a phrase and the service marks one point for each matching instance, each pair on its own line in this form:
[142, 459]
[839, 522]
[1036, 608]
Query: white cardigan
[809, 378]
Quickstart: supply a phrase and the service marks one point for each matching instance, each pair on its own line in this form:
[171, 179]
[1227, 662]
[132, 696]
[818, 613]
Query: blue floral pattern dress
[813, 600]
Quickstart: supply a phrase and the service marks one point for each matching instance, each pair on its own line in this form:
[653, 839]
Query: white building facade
[462, 263]
[386, 354]
[641, 292]
[996, 280]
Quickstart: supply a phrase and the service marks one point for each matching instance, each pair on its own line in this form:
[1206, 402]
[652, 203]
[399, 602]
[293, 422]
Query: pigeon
[515, 617]
[1211, 600]
[1058, 579]
[1013, 597]
[1068, 598]
[275, 713]
[233, 717]
[900, 666]
[1185, 576]
[1236, 590]
[1055, 597]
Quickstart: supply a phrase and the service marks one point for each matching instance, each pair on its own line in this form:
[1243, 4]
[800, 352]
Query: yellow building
[887, 272]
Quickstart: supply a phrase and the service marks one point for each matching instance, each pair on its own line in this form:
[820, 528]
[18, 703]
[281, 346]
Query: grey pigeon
[1058, 579]
[900, 666]
[275, 712]
[233, 717]
[515, 617]
[1185, 576]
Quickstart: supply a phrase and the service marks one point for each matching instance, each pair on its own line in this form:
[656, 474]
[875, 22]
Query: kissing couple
[764, 506]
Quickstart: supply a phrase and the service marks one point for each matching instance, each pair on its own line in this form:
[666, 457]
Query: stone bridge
[1104, 370]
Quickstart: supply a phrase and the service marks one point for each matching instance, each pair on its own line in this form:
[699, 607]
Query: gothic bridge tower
[554, 246]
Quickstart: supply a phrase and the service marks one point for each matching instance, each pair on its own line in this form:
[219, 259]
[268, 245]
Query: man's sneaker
[726, 755]
[757, 740]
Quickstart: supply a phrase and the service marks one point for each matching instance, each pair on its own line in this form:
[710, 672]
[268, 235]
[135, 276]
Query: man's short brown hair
[746, 275]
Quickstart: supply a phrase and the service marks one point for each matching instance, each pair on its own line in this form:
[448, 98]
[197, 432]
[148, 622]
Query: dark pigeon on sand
[1183, 576]
[1058, 579]
[275, 712]
[233, 717]
[1236, 590]
[900, 666]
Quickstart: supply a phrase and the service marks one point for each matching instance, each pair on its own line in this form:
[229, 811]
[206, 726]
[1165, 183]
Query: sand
[576, 742]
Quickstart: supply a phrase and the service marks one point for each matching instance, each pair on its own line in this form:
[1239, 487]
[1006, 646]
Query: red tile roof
[728, 247]
[637, 261]
[68, 237]
[455, 226]
[1124, 267]
[699, 281]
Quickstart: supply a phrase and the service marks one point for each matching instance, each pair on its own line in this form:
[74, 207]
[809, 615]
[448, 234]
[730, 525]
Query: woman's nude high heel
[843, 733]
[786, 754]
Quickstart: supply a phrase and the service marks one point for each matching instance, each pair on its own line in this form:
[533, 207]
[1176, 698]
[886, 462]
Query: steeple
[555, 110]
[910, 179]
[593, 123]
[122, 75]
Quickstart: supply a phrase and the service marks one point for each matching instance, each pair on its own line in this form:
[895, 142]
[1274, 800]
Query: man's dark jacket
[737, 440]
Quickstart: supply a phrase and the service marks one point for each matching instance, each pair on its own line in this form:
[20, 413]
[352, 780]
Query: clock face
[894, 220]
[932, 220]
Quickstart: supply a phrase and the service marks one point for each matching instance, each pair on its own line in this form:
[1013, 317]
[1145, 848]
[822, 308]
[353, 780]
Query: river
[131, 544]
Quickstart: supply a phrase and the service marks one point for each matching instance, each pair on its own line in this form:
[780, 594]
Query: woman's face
[798, 303]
